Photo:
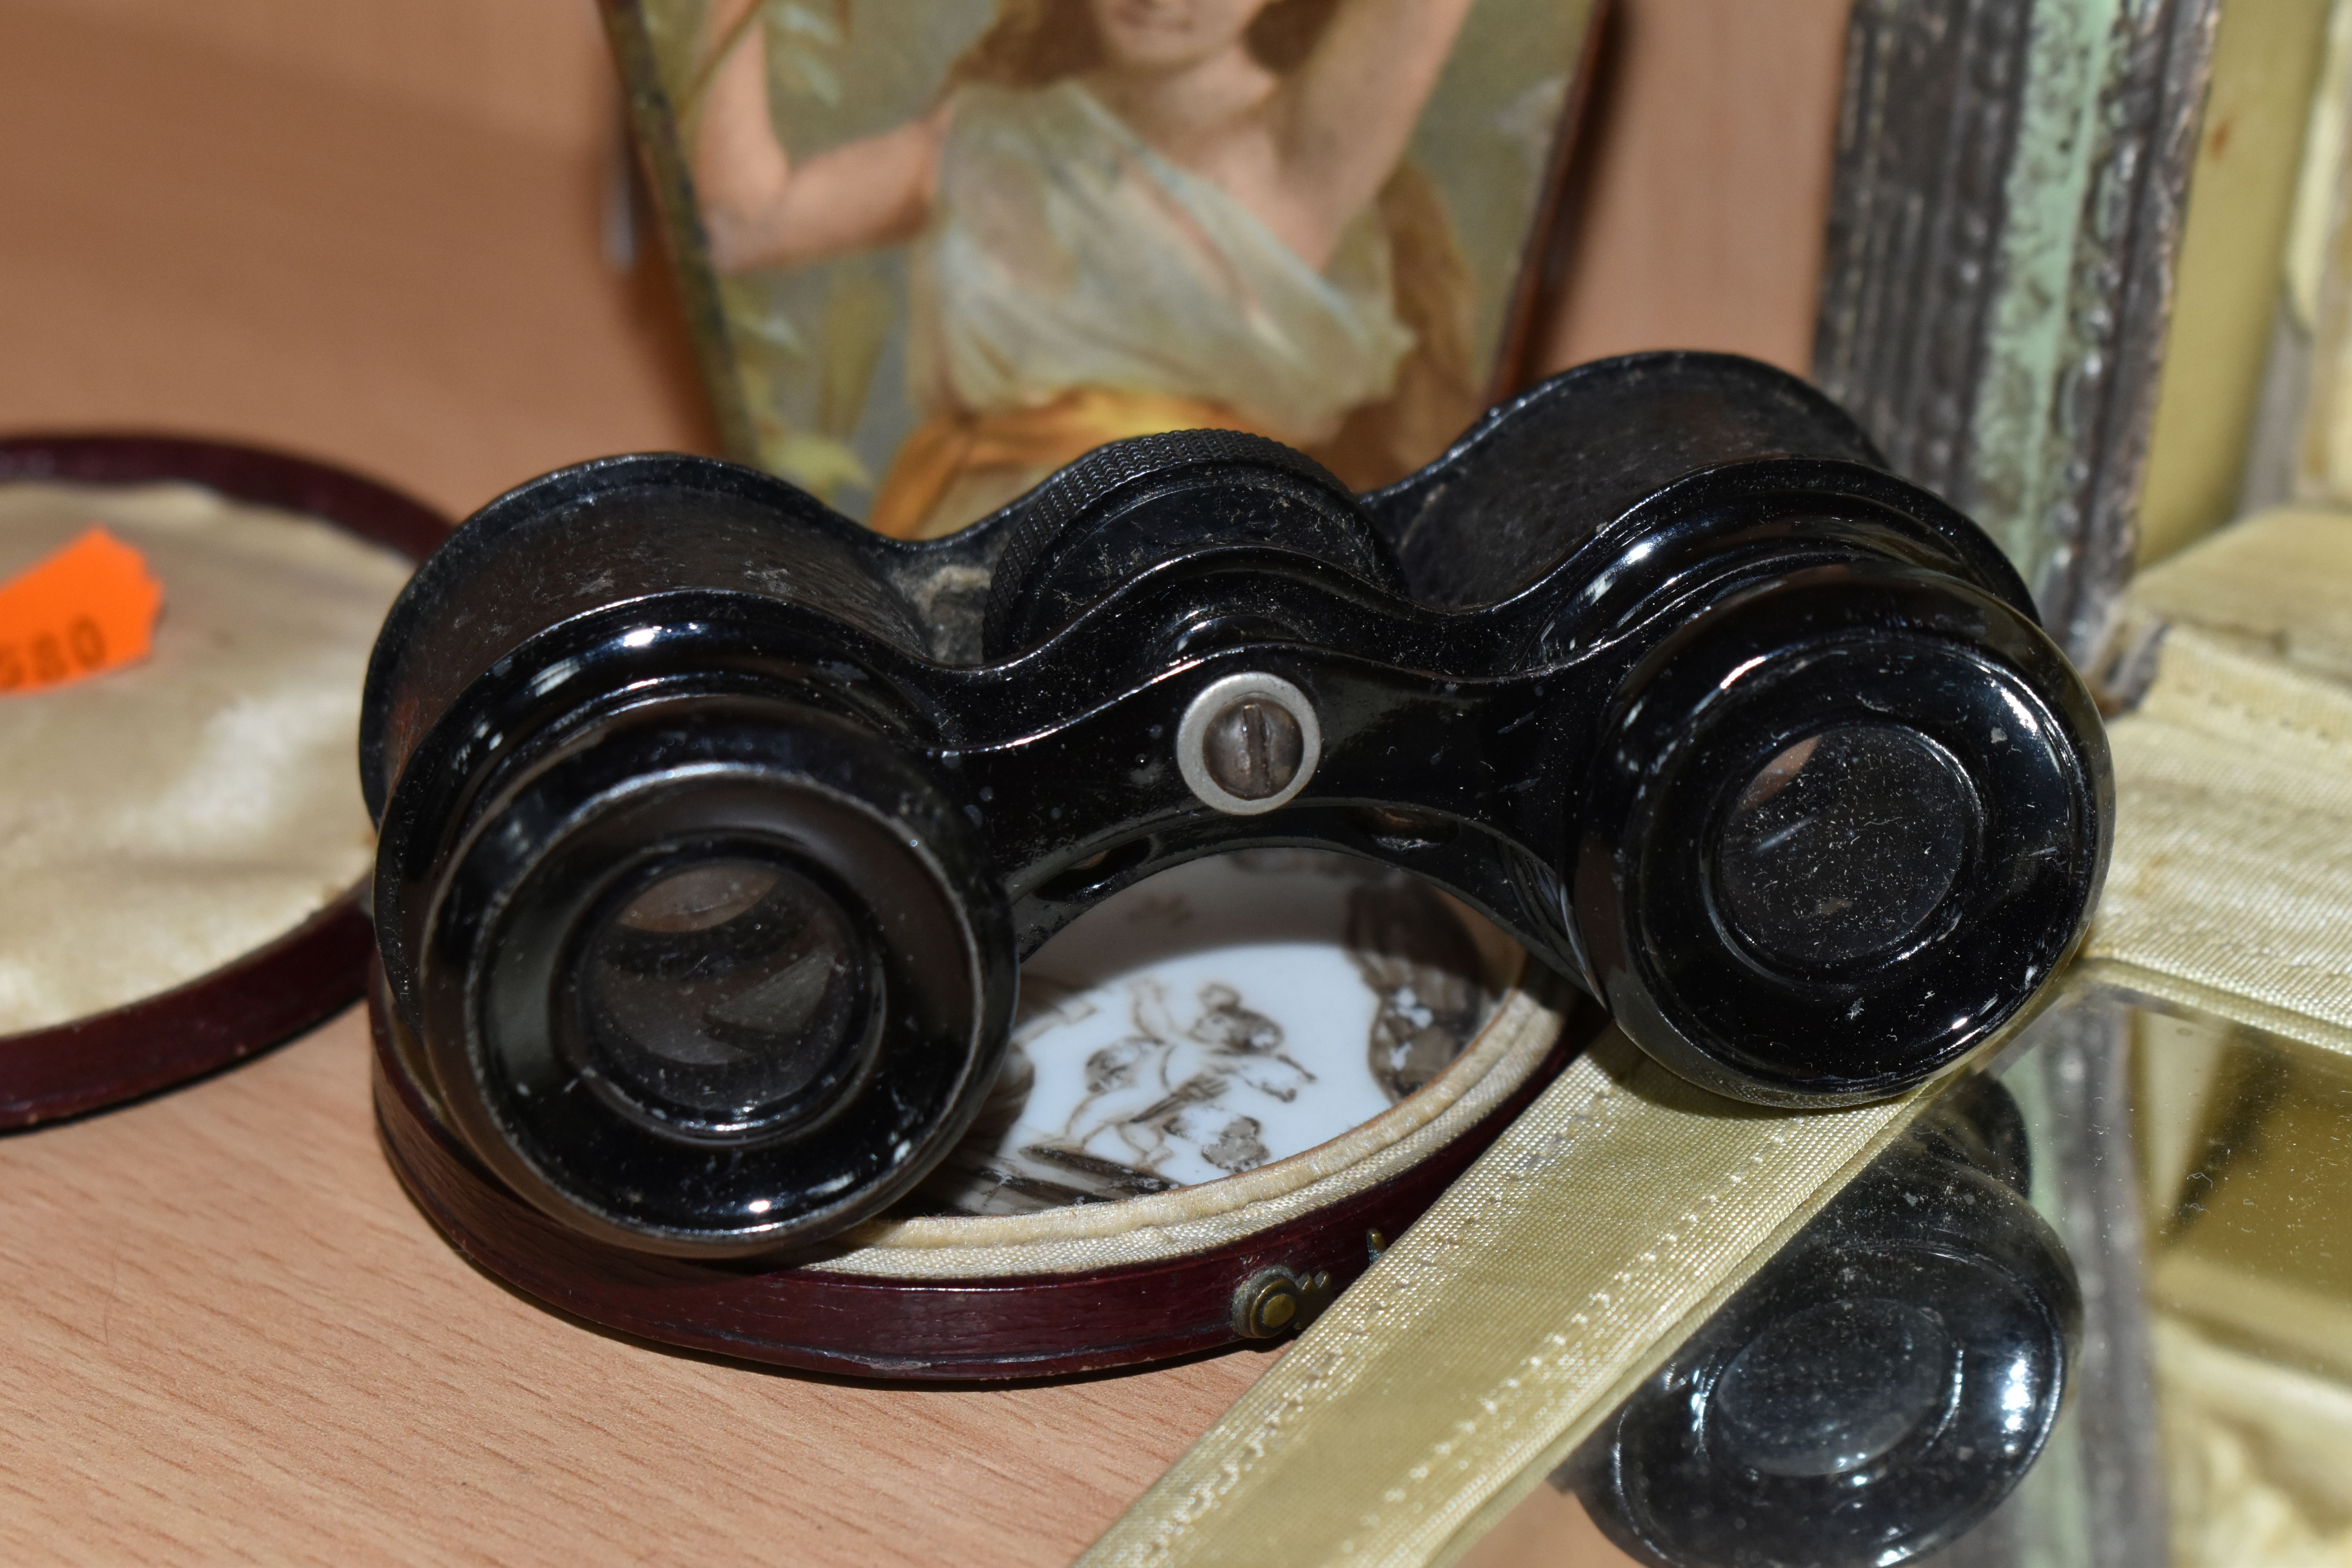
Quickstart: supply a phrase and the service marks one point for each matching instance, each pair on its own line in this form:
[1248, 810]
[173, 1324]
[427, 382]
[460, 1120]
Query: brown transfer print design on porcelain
[1342, 989]
[1169, 1083]
[1416, 958]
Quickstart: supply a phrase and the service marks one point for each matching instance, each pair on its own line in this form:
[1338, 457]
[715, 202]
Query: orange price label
[85, 610]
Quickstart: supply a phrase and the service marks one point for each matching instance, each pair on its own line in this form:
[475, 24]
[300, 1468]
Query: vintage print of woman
[960, 243]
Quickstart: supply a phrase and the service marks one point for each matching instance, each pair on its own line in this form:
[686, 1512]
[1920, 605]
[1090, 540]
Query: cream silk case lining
[159, 820]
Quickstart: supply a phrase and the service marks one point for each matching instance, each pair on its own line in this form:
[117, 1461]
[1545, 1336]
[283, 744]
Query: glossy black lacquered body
[1876, 1390]
[1542, 671]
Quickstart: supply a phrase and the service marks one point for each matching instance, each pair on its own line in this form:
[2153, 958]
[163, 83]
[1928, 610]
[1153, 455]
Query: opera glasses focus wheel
[1130, 506]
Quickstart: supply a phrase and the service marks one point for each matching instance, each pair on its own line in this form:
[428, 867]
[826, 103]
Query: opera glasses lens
[1830, 1388]
[1842, 846]
[711, 994]
[1878, 1387]
[714, 827]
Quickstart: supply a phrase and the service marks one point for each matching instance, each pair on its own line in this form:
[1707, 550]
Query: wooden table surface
[230, 1334]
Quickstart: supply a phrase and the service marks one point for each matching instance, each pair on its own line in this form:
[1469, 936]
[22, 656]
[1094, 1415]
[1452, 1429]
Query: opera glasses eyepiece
[714, 989]
[1830, 1388]
[709, 968]
[714, 828]
[1841, 846]
[1875, 1391]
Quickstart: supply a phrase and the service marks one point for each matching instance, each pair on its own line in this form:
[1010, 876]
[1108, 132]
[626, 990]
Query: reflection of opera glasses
[713, 826]
[1875, 1390]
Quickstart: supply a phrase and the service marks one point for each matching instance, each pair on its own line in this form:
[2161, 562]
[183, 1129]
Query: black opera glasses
[1878, 1387]
[714, 827]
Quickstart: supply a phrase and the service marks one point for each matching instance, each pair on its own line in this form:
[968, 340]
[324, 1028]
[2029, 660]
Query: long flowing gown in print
[1074, 286]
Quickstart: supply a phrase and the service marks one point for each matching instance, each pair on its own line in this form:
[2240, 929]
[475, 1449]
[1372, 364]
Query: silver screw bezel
[1192, 731]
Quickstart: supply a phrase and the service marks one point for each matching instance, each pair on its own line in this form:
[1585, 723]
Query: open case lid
[218, 1007]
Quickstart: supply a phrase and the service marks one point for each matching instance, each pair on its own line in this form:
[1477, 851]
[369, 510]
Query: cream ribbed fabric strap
[2230, 889]
[1610, 1218]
